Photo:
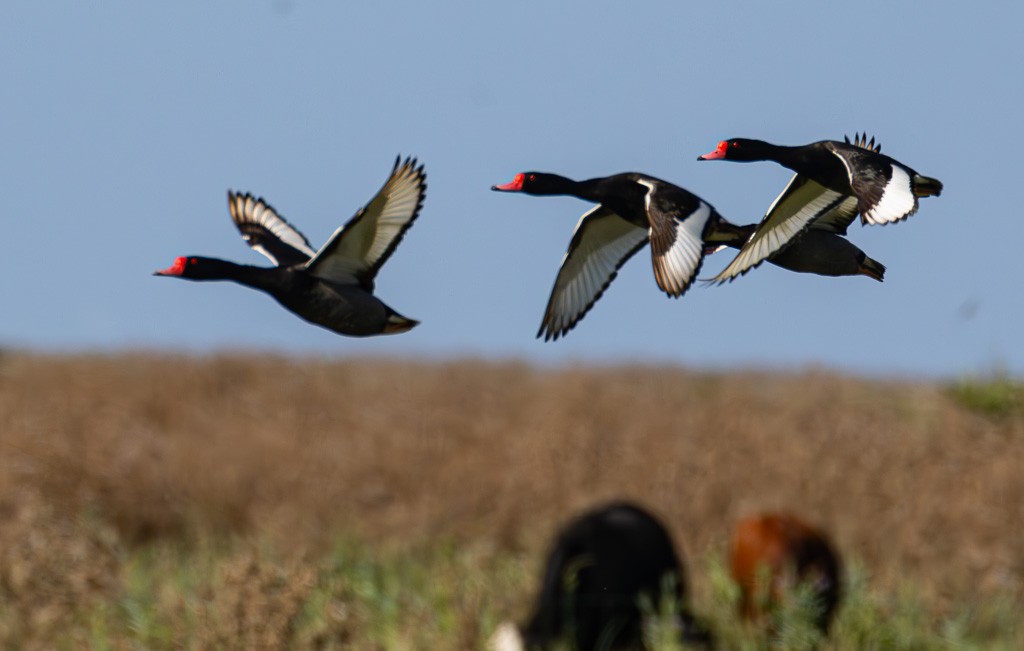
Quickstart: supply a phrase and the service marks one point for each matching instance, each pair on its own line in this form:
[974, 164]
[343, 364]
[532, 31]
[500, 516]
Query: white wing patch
[246, 209]
[897, 202]
[801, 202]
[674, 270]
[601, 244]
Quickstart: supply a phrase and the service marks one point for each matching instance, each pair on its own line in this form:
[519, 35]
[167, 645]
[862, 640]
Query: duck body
[816, 251]
[886, 189]
[632, 210]
[626, 195]
[333, 287]
[834, 182]
[827, 254]
[341, 308]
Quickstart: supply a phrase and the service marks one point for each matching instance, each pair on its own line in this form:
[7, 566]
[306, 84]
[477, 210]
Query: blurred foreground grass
[247, 502]
[86, 592]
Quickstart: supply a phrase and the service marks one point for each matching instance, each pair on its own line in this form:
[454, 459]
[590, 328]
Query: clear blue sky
[124, 124]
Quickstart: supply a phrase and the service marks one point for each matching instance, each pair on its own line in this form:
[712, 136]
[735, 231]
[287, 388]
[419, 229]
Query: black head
[737, 149]
[192, 267]
[536, 183]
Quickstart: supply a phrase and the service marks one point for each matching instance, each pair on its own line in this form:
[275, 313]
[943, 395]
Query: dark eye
[532, 177]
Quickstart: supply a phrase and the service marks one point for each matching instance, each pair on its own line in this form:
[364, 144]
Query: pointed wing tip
[674, 291]
[546, 335]
[548, 332]
[235, 201]
[410, 162]
[412, 166]
[726, 276]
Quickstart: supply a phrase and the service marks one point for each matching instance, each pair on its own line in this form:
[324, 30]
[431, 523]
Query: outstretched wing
[677, 240]
[800, 204]
[267, 232]
[358, 249]
[600, 245]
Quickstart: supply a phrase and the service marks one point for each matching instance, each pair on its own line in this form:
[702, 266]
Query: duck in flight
[333, 287]
[634, 209]
[834, 182]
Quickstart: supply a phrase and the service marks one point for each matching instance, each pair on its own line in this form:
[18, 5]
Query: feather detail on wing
[677, 246]
[800, 204]
[267, 232]
[600, 245]
[357, 250]
[839, 218]
[883, 187]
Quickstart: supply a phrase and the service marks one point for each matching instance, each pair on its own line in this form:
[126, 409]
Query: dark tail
[872, 269]
[397, 323]
[926, 187]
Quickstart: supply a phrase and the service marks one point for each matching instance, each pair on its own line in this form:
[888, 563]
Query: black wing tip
[237, 201]
[718, 282]
[234, 197]
[543, 332]
[548, 334]
[412, 164]
[243, 195]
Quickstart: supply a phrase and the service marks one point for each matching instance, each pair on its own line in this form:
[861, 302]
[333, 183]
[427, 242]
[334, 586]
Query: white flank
[897, 202]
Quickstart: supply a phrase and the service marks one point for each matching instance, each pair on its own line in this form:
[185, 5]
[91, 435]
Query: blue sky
[124, 124]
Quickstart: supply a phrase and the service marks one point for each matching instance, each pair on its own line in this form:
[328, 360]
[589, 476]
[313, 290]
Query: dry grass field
[105, 457]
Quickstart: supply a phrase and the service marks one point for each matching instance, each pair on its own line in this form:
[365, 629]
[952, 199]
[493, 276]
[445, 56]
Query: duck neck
[264, 278]
[598, 190]
[555, 184]
[791, 157]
